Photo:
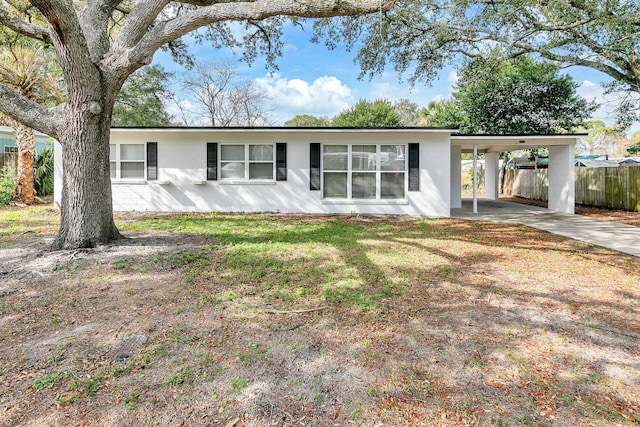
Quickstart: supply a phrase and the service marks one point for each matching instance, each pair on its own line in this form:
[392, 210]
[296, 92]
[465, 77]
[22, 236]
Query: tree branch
[68, 39]
[138, 22]
[95, 19]
[30, 113]
[167, 31]
[21, 27]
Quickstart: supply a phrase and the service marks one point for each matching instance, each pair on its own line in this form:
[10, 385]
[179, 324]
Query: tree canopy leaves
[140, 101]
[519, 96]
[307, 120]
[366, 114]
[419, 37]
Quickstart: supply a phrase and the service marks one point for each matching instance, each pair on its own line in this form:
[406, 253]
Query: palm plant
[28, 67]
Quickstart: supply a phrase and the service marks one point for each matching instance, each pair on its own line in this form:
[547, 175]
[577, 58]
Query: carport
[561, 165]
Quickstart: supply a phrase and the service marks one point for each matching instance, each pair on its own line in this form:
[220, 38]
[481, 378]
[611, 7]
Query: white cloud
[452, 78]
[326, 96]
[608, 103]
[595, 92]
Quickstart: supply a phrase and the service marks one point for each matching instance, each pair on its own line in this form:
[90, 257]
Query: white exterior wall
[491, 176]
[182, 184]
[561, 179]
[456, 176]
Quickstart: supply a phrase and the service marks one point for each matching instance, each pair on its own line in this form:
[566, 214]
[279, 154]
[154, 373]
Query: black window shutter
[152, 161]
[212, 161]
[414, 167]
[314, 163]
[281, 161]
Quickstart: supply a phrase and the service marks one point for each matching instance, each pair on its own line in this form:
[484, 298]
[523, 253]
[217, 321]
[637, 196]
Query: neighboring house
[405, 171]
[526, 163]
[606, 163]
[8, 141]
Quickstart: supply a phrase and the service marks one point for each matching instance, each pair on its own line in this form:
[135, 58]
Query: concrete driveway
[619, 237]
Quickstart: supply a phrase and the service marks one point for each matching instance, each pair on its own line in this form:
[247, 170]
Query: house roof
[499, 143]
[484, 143]
[612, 163]
[287, 129]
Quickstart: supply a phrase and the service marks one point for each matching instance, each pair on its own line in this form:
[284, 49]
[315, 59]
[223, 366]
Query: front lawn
[254, 320]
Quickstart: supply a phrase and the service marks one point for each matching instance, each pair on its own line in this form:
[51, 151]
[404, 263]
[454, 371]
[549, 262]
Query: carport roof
[499, 143]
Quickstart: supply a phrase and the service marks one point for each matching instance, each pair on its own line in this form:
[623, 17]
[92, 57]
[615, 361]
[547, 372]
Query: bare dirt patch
[307, 320]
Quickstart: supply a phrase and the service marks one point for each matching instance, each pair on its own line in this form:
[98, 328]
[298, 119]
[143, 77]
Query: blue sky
[314, 80]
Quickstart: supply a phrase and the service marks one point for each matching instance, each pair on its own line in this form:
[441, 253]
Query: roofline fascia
[283, 129]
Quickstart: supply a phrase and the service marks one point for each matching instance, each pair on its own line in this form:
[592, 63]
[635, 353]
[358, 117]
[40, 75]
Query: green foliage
[43, 172]
[47, 382]
[601, 139]
[634, 149]
[409, 112]
[379, 113]
[441, 114]
[88, 385]
[518, 96]
[237, 384]
[308, 121]
[8, 183]
[140, 101]
[366, 114]
[420, 37]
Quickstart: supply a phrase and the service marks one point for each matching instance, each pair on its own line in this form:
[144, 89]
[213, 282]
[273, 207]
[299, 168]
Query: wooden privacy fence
[10, 159]
[612, 188]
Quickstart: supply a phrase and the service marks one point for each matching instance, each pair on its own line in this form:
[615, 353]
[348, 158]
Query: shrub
[8, 183]
[43, 172]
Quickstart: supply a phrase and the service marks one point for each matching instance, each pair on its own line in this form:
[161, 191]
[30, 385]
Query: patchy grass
[36, 221]
[256, 320]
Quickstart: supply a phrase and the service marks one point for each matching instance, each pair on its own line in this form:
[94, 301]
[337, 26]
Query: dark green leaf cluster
[140, 101]
[43, 172]
[365, 114]
[518, 96]
[634, 150]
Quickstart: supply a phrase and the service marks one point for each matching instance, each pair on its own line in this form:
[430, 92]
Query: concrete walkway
[619, 237]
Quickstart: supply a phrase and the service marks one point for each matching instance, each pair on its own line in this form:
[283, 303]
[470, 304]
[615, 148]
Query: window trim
[350, 172]
[118, 162]
[247, 162]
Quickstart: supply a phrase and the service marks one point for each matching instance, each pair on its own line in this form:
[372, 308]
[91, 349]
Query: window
[9, 149]
[247, 161]
[126, 161]
[366, 172]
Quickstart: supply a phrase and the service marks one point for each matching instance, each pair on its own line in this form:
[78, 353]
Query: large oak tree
[99, 43]
[419, 37]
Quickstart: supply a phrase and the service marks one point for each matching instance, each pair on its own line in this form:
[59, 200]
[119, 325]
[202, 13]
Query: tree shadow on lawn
[374, 288]
[422, 324]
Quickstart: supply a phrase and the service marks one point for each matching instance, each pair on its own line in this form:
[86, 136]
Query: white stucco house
[408, 171]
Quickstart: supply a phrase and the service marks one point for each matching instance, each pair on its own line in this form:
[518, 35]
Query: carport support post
[475, 178]
[491, 176]
[561, 178]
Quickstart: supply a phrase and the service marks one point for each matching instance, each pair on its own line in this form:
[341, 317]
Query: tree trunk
[86, 206]
[25, 140]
